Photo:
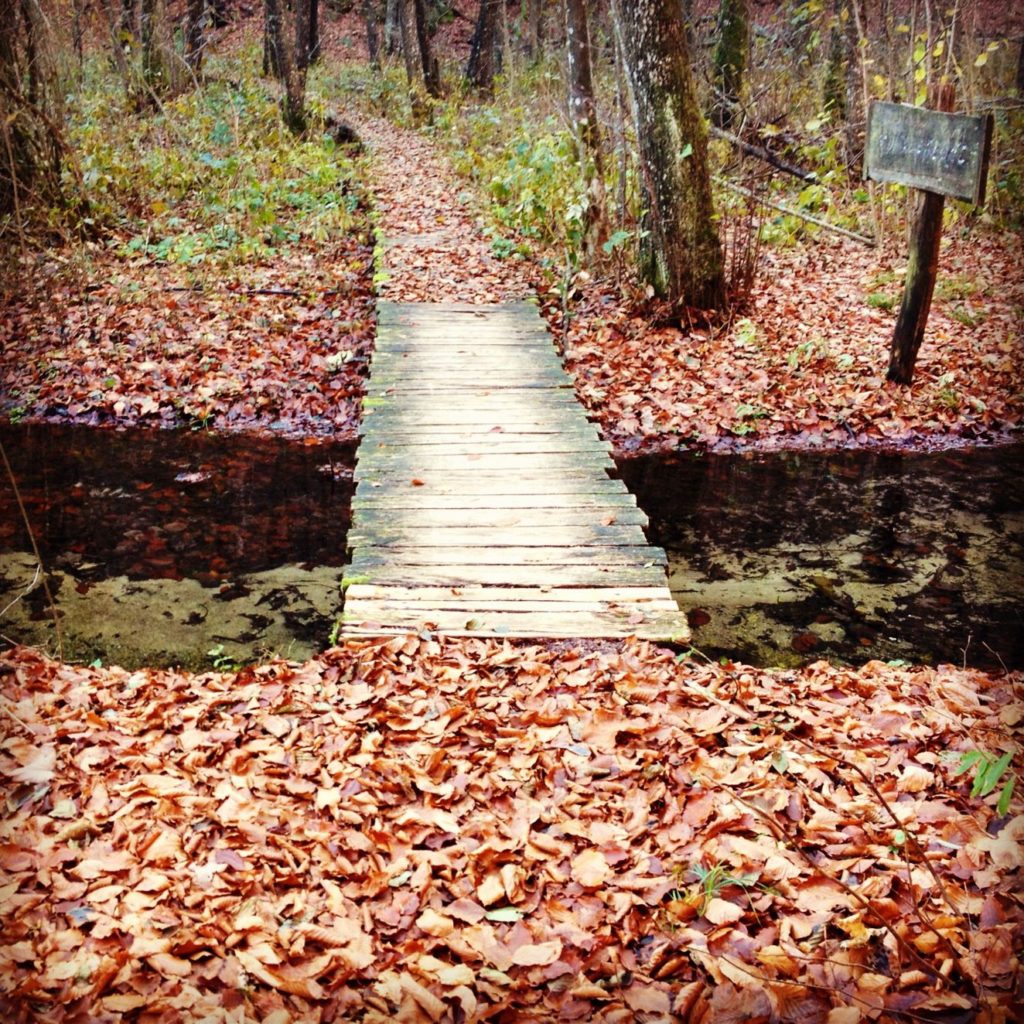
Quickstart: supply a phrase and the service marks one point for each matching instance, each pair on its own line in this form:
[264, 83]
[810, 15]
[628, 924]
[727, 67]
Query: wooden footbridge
[484, 505]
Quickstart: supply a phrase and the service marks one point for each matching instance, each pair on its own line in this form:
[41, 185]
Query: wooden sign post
[940, 154]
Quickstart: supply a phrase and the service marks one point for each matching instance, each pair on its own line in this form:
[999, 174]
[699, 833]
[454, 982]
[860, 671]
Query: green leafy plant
[989, 772]
[709, 883]
[222, 662]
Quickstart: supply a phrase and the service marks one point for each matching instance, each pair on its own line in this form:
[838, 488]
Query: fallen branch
[762, 154]
[863, 239]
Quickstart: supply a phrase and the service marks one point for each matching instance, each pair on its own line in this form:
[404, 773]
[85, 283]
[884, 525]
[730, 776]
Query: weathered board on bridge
[485, 504]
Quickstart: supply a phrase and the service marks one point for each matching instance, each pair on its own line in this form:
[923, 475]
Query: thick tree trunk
[583, 114]
[681, 254]
[484, 55]
[303, 41]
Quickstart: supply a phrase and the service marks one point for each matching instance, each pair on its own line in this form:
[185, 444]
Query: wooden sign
[929, 149]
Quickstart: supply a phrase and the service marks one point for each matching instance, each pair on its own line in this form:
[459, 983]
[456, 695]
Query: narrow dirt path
[436, 249]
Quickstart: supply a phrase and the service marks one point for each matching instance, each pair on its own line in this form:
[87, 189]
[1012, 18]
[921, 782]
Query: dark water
[169, 548]
[222, 539]
[851, 556]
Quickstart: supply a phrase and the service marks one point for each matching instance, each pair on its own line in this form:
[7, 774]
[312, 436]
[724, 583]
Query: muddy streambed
[202, 550]
[174, 548]
[785, 558]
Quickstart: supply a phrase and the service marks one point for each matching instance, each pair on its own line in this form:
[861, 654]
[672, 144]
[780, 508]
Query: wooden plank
[411, 535]
[378, 609]
[382, 499]
[539, 480]
[638, 555]
[417, 461]
[508, 575]
[404, 435]
[653, 625]
[534, 595]
[385, 514]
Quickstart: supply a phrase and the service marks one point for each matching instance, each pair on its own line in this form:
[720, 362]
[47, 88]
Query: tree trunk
[290, 74]
[681, 253]
[31, 144]
[273, 36]
[372, 38]
[431, 69]
[194, 35]
[535, 29]
[303, 42]
[151, 65]
[483, 55]
[392, 26]
[314, 32]
[730, 59]
[1020, 70]
[412, 51]
[583, 114]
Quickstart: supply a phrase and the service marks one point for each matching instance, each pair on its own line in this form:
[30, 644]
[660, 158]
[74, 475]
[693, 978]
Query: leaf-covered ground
[280, 346]
[806, 366]
[423, 831]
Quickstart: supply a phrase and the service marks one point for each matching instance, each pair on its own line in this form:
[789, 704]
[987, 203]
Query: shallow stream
[783, 558]
[205, 550]
[174, 548]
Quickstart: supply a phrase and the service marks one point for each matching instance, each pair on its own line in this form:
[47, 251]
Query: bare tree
[681, 256]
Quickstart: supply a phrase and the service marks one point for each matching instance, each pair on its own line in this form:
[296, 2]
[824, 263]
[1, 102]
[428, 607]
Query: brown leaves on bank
[280, 346]
[418, 830]
[805, 366]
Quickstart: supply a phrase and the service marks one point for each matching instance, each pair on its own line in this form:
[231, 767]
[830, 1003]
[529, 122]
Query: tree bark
[151, 66]
[392, 26]
[290, 74]
[303, 41]
[431, 69]
[483, 55]
[195, 35]
[730, 59]
[681, 256]
[583, 115]
[535, 29]
[416, 70]
[372, 36]
[314, 32]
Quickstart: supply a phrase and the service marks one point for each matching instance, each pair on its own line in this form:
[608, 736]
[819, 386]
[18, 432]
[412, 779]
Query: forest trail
[434, 248]
[483, 504]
